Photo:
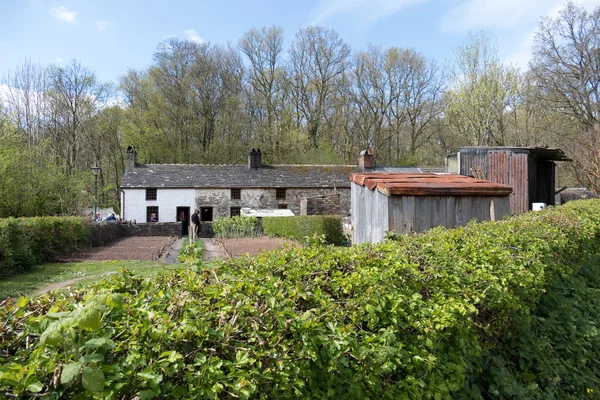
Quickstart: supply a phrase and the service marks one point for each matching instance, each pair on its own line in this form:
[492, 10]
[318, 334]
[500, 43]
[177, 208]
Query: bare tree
[24, 99]
[566, 66]
[264, 49]
[74, 99]
[318, 58]
[566, 63]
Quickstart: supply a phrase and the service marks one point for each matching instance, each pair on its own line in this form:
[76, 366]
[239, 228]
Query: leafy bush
[25, 242]
[494, 310]
[301, 227]
[235, 227]
[194, 251]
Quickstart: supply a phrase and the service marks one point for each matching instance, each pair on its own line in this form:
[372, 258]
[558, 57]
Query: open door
[183, 216]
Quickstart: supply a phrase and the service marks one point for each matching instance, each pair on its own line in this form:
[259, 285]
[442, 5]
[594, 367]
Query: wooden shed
[406, 203]
[530, 171]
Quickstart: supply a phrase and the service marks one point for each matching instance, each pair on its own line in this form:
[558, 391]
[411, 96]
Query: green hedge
[301, 227]
[494, 310]
[235, 227]
[25, 242]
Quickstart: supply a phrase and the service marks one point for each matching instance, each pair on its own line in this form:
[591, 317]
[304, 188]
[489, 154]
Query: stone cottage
[172, 191]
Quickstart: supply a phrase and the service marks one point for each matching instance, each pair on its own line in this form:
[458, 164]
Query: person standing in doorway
[184, 230]
[196, 223]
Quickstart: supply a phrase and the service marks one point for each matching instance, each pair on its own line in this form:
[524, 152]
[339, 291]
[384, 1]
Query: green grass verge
[45, 274]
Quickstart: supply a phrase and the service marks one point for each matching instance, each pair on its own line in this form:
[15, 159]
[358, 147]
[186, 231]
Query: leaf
[92, 379]
[22, 302]
[70, 372]
[147, 373]
[147, 394]
[35, 386]
[90, 319]
[99, 342]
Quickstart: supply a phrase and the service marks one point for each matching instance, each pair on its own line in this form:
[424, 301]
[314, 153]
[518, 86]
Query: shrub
[194, 251]
[494, 310]
[301, 227]
[235, 227]
[25, 242]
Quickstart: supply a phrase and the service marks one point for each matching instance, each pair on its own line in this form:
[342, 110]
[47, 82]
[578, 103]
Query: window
[282, 206]
[236, 194]
[150, 194]
[280, 194]
[235, 211]
[152, 214]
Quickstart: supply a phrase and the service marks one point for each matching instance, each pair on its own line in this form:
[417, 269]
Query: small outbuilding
[407, 203]
[530, 171]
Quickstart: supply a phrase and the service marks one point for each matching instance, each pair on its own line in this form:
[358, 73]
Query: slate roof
[240, 176]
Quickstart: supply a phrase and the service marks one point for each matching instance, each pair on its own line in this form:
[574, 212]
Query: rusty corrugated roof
[392, 184]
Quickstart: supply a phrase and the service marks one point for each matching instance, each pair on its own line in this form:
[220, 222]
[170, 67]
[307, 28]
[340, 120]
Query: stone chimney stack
[366, 160]
[130, 158]
[255, 159]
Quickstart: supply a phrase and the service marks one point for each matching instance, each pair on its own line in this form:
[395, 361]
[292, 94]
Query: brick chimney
[366, 160]
[254, 159]
[130, 158]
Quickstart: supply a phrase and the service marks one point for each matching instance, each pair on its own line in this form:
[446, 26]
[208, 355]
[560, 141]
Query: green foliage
[32, 185]
[302, 227]
[194, 251]
[236, 227]
[25, 242]
[492, 310]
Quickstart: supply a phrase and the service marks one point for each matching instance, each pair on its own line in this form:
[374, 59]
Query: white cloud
[367, 10]
[64, 14]
[192, 35]
[58, 60]
[521, 54]
[522, 51]
[103, 25]
[486, 14]
[483, 14]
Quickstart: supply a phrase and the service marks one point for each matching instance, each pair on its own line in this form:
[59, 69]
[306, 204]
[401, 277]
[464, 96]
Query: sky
[112, 36]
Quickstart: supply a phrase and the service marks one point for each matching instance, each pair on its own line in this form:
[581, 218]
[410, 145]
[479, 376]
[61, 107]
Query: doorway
[206, 214]
[183, 216]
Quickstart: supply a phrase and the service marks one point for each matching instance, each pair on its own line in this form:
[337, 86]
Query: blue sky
[111, 36]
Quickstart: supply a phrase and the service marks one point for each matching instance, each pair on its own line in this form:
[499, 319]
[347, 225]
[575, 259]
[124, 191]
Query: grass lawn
[46, 274]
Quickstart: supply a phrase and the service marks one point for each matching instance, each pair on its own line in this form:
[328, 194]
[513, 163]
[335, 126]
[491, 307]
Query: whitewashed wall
[167, 200]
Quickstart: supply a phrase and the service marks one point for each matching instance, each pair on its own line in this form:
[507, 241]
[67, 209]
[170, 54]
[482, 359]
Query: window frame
[236, 194]
[238, 211]
[152, 210]
[278, 194]
[282, 206]
[151, 192]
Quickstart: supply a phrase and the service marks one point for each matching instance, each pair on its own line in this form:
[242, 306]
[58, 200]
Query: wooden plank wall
[369, 215]
[408, 214]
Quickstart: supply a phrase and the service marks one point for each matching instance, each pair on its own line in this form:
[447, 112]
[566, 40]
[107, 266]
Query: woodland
[318, 101]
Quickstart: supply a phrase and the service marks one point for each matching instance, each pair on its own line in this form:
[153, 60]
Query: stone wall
[152, 229]
[105, 232]
[321, 205]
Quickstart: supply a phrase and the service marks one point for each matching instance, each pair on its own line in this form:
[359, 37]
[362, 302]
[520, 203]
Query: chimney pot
[366, 160]
[254, 159]
[130, 158]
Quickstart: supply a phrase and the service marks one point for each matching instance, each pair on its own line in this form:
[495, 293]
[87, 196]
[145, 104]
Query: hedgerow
[301, 227]
[25, 242]
[494, 310]
[236, 227]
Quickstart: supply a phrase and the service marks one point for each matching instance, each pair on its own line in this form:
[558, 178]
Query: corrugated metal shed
[530, 171]
[407, 203]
